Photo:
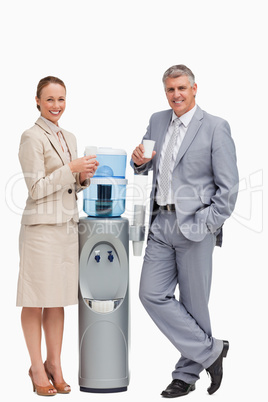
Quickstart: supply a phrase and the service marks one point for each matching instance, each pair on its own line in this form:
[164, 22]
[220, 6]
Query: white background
[111, 56]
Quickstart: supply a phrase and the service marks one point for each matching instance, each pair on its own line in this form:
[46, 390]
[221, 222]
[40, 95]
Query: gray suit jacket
[205, 176]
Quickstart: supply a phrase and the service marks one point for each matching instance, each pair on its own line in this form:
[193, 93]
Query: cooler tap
[110, 256]
[97, 255]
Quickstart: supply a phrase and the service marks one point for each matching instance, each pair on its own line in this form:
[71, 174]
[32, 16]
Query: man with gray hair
[178, 71]
[195, 184]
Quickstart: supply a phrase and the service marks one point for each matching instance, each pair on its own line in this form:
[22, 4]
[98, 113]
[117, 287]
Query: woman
[48, 277]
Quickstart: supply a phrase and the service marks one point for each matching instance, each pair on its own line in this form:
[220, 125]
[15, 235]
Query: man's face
[180, 94]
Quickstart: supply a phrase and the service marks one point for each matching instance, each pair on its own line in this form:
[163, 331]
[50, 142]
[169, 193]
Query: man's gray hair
[178, 71]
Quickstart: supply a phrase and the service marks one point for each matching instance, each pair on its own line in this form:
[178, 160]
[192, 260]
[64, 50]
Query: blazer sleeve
[39, 182]
[225, 174]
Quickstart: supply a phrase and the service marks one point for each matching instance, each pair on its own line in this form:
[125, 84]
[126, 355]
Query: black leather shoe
[216, 371]
[177, 388]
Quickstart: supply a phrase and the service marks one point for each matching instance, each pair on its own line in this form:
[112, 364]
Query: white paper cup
[137, 248]
[91, 150]
[148, 148]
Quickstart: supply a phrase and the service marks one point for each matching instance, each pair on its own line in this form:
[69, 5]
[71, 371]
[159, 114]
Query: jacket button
[70, 191]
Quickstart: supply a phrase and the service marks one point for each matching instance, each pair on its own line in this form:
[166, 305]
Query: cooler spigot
[110, 256]
[97, 255]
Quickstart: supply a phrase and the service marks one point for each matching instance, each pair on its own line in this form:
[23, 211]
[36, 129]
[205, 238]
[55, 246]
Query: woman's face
[52, 102]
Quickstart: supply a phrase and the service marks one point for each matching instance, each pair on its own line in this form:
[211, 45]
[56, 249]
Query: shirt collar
[186, 117]
[51, 125]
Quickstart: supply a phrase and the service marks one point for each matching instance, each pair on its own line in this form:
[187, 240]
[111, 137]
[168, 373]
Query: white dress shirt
[185, 120]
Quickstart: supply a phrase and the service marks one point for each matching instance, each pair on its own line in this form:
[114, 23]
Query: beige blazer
[52, 187]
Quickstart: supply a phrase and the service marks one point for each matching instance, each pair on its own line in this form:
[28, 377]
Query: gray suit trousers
[172, 260]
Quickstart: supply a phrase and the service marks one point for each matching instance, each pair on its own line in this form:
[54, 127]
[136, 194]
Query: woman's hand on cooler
[87, 165]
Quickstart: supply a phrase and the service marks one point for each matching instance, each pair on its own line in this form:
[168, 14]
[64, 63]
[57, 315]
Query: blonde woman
[48, 277]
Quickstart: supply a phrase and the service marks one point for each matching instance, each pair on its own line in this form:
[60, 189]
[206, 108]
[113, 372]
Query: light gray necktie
[165, 174]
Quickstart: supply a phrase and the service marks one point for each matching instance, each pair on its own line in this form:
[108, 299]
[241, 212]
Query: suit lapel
[69, 143]
[193, 128]
[50, 136]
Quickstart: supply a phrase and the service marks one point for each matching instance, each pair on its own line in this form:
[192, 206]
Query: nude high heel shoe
[60, 387]
[42, 391]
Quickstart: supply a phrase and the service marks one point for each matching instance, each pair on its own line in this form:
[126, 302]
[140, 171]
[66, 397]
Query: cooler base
[103, 390]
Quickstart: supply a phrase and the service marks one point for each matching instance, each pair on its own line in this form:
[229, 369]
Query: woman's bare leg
[31, 321]
[53, 325]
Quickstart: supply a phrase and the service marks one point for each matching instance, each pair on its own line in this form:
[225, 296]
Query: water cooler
[104, 276]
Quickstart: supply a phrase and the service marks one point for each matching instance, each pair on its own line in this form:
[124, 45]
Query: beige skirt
[48, 275]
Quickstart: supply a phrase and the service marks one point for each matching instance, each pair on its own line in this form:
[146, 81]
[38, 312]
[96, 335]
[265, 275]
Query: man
[194, 191]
